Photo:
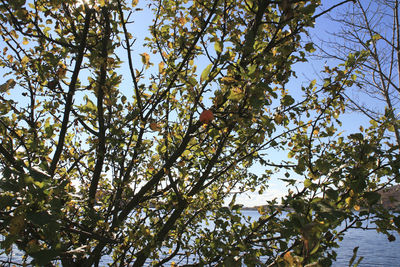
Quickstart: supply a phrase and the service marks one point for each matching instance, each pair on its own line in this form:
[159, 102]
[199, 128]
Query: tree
[370, 31]
[98, 161]
[372, 28]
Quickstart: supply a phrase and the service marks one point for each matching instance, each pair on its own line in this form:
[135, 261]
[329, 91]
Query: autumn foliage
[103, 154]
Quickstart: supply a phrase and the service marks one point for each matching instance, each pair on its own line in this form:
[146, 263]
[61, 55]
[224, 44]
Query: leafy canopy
[102, 151]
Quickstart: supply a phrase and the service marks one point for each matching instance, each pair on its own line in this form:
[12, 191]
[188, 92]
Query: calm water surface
[374, 247]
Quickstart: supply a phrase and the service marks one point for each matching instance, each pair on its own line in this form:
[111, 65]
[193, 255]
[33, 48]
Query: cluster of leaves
[93, 167]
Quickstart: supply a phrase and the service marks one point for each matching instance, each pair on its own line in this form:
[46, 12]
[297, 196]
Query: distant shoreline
[390, 199]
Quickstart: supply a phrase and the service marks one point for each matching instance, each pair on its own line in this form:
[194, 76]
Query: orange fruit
[206, 116]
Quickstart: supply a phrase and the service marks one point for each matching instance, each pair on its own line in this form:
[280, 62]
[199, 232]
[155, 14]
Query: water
[374, 247]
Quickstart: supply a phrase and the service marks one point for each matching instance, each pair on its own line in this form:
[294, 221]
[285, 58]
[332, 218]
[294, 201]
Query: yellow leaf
[288, 258]
[145, 58]
[161, 67]
[278, 118]
[24, 60]
[351, 193]
[236, 94]
[182, 21]
[260, 210]
[10, 58]
[228, 80]
[25, 41]
[14, 34]
[134, 3]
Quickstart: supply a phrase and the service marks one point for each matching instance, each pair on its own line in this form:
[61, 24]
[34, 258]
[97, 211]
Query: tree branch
[71, 92]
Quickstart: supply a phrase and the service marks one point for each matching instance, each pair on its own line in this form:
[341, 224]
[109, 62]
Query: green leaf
[289, 181]
[332, 194]
[287, 100]
[192, 81]
[40, 218]
[396, 221]
[252, 69]
[391, 128]
[307, 183]
[205, 73]
[230, 261]
[6, 201]
[309, 47]
[7, 85]
[236, 94]
[327, 82]
[376, 37]
[44, 257]
[38, 174]
[354, 256]
[218, 46]
[315, 249]
[372, 197]
[6, 172]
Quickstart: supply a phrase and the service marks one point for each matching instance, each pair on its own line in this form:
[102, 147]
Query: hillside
[390, 197]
